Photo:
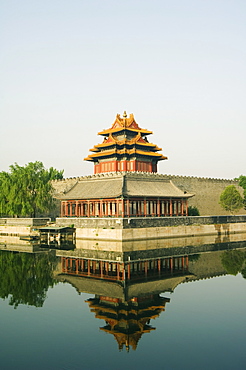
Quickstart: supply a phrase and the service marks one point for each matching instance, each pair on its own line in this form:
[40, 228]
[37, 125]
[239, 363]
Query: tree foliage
[193, 211]
[24, 191]
[230, 199]
[25, 277]
[242, 183]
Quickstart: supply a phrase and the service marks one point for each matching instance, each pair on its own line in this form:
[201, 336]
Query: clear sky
[69, 66]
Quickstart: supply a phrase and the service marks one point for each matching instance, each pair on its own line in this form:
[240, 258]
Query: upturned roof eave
[98, 147]
[118, 129]
[92, 157]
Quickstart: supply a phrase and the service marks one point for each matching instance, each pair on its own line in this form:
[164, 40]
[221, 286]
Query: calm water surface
[64, 309]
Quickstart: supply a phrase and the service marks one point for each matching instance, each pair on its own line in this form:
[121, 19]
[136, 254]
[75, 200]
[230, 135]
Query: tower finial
[124, 114]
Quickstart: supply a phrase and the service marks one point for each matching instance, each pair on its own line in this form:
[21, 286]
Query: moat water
[179, 305]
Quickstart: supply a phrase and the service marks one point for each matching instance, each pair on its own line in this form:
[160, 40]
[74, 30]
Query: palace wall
[207, 191]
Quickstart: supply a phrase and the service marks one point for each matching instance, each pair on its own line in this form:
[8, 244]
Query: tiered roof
[125, 138]
[128, 320]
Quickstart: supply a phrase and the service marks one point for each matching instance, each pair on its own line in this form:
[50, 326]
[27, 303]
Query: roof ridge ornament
[125, 119]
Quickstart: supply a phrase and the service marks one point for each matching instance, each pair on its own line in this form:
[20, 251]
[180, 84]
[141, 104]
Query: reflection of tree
[233, 261]
[194, 257]
[25, 277]
[243, 272]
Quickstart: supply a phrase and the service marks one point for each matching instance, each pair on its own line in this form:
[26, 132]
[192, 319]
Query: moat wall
[153, 228]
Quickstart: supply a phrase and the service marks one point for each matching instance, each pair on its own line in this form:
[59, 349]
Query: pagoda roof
[123, 151]
[125, 123]
[123, 184]
[137, 140]
[125, 137]
[119, 129]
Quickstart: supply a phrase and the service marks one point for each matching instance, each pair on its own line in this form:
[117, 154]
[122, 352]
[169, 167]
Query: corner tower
[125, 148]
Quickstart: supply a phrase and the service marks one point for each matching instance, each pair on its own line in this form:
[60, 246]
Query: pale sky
[69, 66]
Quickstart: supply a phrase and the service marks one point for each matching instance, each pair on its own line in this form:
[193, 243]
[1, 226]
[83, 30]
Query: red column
[124, 165]
[88, 208]
[171, 207]
[171, 264]
[128, 271]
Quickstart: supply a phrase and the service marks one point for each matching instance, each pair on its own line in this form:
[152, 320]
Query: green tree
[24, 191]
[230, 199]
[242, 183]
[193, 211]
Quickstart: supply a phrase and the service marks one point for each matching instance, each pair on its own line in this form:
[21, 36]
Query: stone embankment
[21, 226]
[138, 228]
[141, 228]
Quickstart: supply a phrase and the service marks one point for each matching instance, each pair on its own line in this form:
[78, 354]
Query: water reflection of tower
[127, 293]
[126, 271]
[127, 320]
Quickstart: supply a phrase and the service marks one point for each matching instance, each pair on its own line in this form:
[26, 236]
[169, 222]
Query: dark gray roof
[93, 286]
[115, 185]
[114, 290]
